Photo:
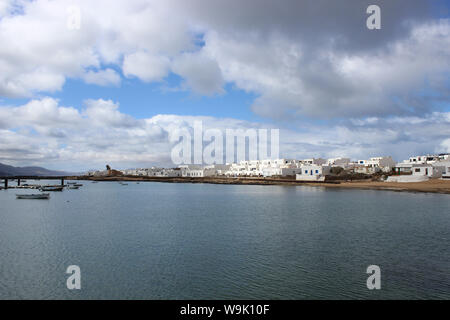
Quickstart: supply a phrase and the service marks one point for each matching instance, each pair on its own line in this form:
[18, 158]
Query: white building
[430, 158]
[339, 162]
[267, 168]
[428, 170]
[407, 165]
[313, 173]
[420, 172]
[316, 161]
[163, 172]
[446, 171]
[220, 169]
[403, 167]
[199, 171]
[375, 164]
[282, 172]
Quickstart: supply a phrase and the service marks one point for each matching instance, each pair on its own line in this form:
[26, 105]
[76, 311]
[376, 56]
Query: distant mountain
[6, 170]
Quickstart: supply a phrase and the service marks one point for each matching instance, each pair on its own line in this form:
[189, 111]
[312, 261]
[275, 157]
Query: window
[317, 171]
[417, 170]
[306, 171]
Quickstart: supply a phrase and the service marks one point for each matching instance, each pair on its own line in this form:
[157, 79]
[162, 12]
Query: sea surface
[203, 241]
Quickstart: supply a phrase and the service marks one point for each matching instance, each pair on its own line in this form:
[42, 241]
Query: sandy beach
[434, 186]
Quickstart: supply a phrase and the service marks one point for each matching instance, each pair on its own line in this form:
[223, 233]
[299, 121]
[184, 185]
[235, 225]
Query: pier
[19, 179]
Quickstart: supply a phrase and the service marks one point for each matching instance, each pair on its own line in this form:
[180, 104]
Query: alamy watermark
[74, 280]
[216, 146]
[373, 22]
[73, 18]
[374, 280]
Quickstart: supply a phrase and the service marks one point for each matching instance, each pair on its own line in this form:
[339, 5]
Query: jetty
[21, 179]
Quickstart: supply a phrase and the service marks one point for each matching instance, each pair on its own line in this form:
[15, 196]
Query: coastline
[430, 186]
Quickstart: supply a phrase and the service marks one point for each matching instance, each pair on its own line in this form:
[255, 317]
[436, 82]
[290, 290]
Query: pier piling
[6, 183]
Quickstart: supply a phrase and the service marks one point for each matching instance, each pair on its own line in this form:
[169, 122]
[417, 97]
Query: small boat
[94, 181]
[51, 188]
[124, 184]
[73, 187]
[78, 185]
[33, 196]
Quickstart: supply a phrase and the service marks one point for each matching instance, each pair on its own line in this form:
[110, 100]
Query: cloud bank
[42, 131]
[302, 58]
[383, 91]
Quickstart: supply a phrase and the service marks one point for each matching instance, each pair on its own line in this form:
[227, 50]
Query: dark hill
[6, 170]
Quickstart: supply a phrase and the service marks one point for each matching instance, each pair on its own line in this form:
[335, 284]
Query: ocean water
[203, 241]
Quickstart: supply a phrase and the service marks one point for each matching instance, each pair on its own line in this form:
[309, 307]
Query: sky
[89, 83]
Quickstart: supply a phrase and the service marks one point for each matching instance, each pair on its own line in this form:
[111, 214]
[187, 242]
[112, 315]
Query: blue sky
[143, 100]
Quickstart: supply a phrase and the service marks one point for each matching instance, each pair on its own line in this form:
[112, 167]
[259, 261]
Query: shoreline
[430, 186]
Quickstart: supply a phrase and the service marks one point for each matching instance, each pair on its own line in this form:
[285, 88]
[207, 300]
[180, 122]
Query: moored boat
[73, 187]
[51, 188]
[33, 196]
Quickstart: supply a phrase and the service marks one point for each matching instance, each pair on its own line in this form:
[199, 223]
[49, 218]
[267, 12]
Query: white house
[237, 169]
[427, 159]
[339, 162]
[313, 173]
[420, 171]
[403, 167]
[219, 169]
[366, 169]
[375, 164]
[283, 172]
[165, 172]
[267, 167]
[317, 161]
[198, 171]
[427, 170]
[446, 171]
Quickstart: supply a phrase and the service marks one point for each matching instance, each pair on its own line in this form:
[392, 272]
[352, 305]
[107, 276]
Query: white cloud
[106, 113]
[202, 73]
[42, 52]
[445, 146]
[44, 113]
[105, 77]
[4, 7]
[293, 79]
[299, 59]
[145, 66]
[44, 133]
